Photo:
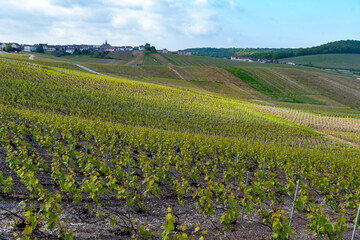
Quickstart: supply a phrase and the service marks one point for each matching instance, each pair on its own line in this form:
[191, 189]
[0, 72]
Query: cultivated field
[216, 153]
[337, 61]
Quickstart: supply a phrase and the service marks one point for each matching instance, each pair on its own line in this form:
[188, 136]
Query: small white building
[163, 51]
[287, 62]
[70, 50]
[184, 53]
[15, 45]
[142, 48]
[2, 45]
[29, 48]
[243, 59]
[129, 48]
[110, 49]
[49, 48]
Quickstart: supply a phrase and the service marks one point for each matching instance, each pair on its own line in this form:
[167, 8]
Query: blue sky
[176, 24]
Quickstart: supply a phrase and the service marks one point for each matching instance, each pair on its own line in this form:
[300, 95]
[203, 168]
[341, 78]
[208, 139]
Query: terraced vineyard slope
[84, 155]
[334, 61]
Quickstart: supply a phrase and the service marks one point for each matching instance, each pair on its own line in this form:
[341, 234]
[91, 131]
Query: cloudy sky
[179, 24]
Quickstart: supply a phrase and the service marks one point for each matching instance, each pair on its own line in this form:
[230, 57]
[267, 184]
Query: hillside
[83, 155]
[183, 60]
[344, 46]
[274, 83]
[333, 61]
[301, 86]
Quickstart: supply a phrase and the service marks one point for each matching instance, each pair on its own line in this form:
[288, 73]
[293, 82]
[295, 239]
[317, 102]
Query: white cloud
[47, 9]
[234, 6]
[201, 2]
[200, 22]
[127, 22]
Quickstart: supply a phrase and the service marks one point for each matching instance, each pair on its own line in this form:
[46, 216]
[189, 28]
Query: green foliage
[321, 226]
[228, 52]
[40, 48]
[348, 46]
[8, 48]
[5, 185]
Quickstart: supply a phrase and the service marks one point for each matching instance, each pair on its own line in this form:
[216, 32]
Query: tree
[147, 47]
[40, 48]
[153, 49]
[8, 48]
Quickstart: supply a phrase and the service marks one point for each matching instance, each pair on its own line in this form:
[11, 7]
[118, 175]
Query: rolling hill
[333, 61]
[176, 151]
[343, 46]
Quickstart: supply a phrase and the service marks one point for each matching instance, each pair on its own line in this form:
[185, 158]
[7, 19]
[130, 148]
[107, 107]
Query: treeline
[228, 52]
[344, 46]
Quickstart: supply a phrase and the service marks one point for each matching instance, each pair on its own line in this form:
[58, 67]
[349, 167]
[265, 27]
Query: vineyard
[92, 157]
[336, 61]
[184, 60]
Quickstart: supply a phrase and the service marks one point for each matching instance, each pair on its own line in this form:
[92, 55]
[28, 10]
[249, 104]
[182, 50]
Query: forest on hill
[343, 46]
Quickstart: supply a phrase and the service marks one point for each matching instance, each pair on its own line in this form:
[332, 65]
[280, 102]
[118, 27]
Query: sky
[176, 24]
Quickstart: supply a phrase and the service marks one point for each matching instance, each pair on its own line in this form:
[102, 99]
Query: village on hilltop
[106, 47]
[73, 48]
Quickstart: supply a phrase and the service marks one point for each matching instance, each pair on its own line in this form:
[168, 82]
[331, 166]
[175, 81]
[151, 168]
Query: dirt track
[91, 71]
[139, 56]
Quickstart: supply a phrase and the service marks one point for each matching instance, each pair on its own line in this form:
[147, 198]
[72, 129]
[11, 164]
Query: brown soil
[340, 139]
[139, 56]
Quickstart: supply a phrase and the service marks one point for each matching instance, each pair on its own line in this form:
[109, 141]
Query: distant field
[89, 59]
[134, 72]
[265, 82]
[42, 59]
[339, 61]
[183, 60]
[299, 86]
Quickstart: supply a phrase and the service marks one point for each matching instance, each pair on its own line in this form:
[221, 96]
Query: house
[29, 48]
[2, 45]
[358, 77]
[287, 62]
[49, 48]
[142, 48]
[129, 48]
[70, 50]
[110, 49]
[15, 45]
[162, 51]
[243, 59]
[184, 53]
[122, 48]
